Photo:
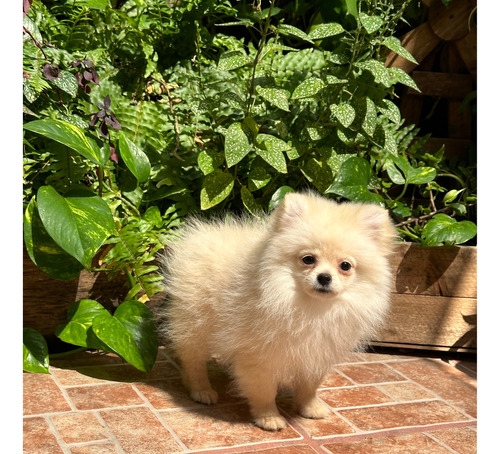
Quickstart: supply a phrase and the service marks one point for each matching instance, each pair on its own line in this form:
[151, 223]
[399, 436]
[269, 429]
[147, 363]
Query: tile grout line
[157, 415]
[90, 410]
[112, 437]
[439, 397]
[319, 442]
[64, 393]
[364, 385]
[60, 441]
[442, 443]
[343, 438]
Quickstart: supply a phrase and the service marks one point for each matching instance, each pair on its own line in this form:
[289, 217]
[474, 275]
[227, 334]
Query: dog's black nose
[324, 278]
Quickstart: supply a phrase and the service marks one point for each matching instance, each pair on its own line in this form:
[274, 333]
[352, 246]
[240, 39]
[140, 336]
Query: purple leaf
[107, 102]
[104, 130]
[94, 120]
[87, 75]
[51, 72]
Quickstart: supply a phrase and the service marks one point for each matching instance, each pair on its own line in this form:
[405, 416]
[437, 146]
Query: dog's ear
[292, 208]
[378, 225]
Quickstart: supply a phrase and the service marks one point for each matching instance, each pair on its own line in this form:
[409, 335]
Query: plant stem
[264, 32]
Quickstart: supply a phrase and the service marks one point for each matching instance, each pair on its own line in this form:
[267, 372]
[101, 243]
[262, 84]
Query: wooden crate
[434, 300]
[445, 48]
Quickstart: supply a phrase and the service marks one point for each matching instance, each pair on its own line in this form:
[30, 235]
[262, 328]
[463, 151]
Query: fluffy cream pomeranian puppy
[280, 300]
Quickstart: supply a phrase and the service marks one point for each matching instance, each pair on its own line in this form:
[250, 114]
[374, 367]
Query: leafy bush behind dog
[137, 113]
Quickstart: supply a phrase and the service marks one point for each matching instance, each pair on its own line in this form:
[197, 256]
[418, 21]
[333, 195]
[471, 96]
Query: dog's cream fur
[239, 288]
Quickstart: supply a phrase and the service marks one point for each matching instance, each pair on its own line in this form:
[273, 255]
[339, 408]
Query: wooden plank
[449, 271]
[458, 148]
[459, 120]
[451, 22]
[427, 348]
[419, 42]
[46, 300]
[445, 85]
[411, 108]
[467, 48]
[440, 322]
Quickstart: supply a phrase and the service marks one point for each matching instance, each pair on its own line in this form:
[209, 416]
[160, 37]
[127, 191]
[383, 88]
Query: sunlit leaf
[79, 222]
[445, 230]
[370, 23]
[233, 59]
[69, 135]
[326, 30]
[35, 352]
[275, 96]
[135, 159]
[394, 44]
[216, 187]
[236, 145]
[308, 88]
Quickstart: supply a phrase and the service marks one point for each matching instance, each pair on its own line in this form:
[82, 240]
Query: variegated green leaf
[258, 178]
[390, 110]
[333, 80]
[344, 112]
[67, 82]
[208, 161]
[236, 145]
[275, 96]
[381, 74]
[394, 44]
[370, 23]
[216, 187]
[370, 120]
[272, 150]
[308, 88]
[29, 91]
[352, 181]
[79, 222]
[398, 75]
[30, 26]
[249, 201]
[325, 30]
[71, 136]
[233, 100]
[294, 31]
[233, 59]
[318, 173]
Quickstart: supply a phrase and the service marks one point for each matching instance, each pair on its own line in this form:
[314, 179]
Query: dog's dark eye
[345, 266]
[308, 260]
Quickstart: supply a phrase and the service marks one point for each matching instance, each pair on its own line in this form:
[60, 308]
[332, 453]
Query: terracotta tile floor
[381, 403]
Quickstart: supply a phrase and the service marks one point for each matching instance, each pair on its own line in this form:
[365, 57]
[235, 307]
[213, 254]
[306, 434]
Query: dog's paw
[206, 396]
[314, 409]
[271, 422]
